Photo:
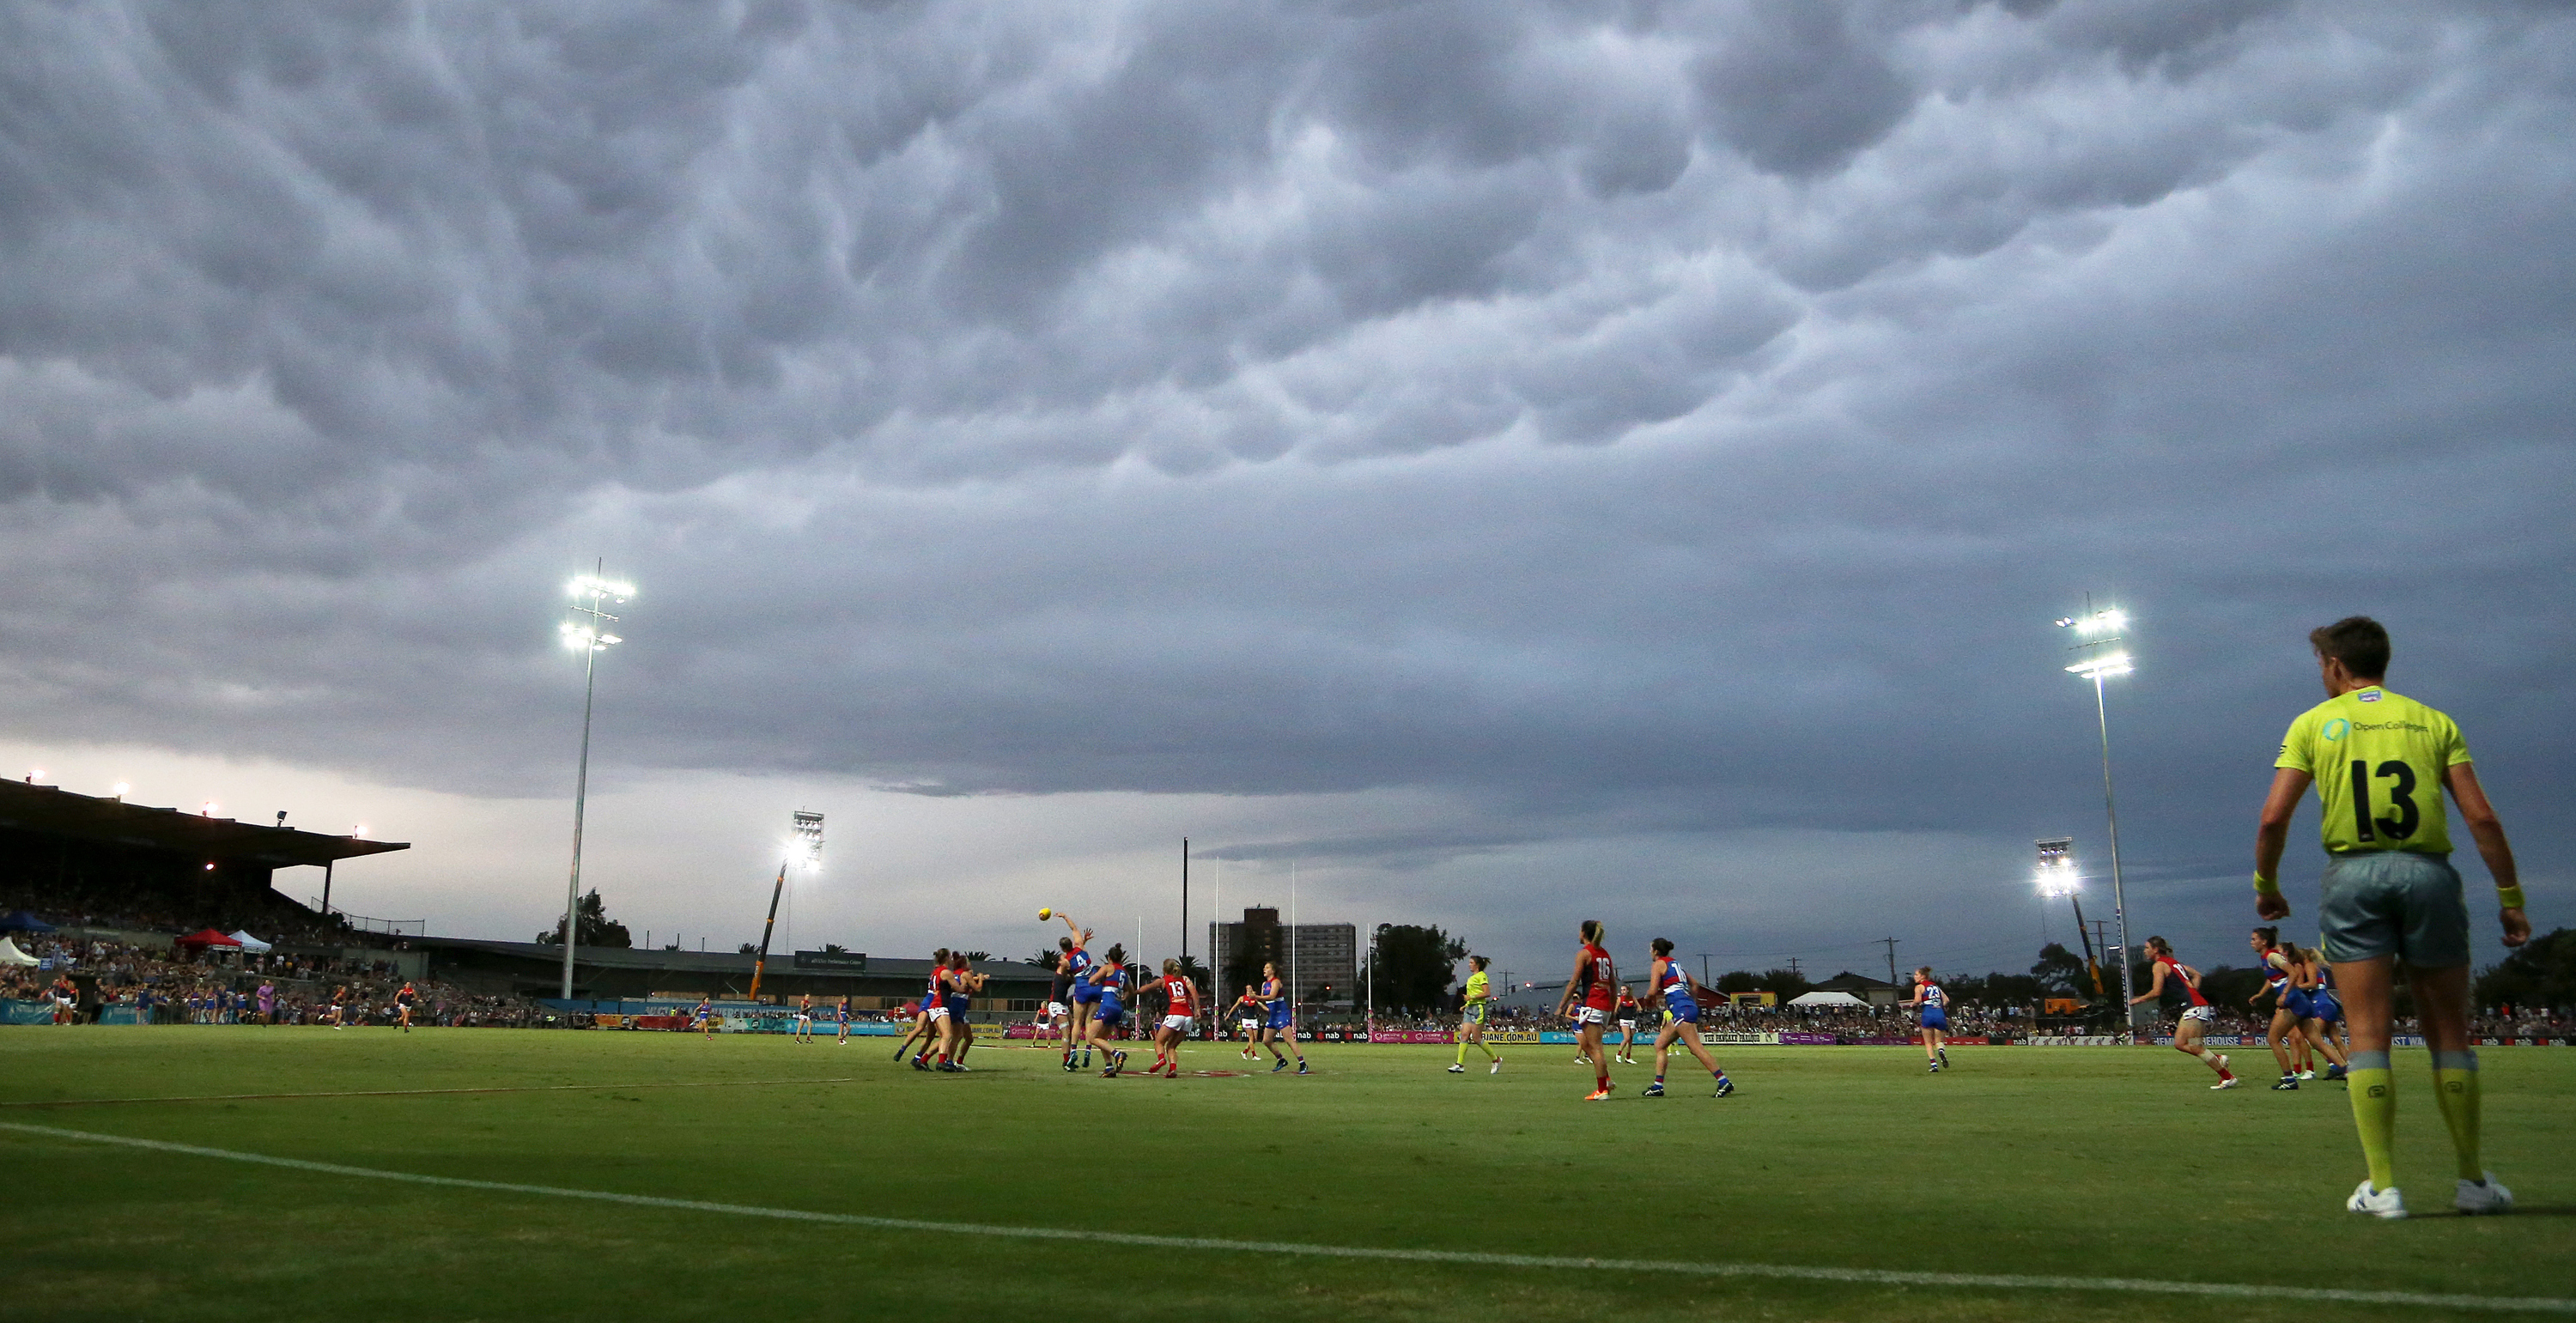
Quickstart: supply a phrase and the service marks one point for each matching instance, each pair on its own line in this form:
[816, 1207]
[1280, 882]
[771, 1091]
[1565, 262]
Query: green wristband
[2508, 898]
[2265, 886]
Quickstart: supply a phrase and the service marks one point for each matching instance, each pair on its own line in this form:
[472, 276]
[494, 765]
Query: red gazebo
[207, 937]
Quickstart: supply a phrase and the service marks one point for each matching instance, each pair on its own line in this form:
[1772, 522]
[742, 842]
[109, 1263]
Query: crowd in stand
[171, 987]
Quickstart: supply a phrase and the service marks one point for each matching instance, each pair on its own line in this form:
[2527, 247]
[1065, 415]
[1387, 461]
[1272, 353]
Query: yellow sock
[1489, 1052]
[1462, 1051]
[2455, 1090]
[2374, 1114]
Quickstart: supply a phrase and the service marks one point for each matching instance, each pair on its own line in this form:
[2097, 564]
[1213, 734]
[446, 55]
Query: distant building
[1322, 957]
[1873, 991]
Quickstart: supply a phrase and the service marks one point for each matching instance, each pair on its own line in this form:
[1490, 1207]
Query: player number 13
[2400, 798]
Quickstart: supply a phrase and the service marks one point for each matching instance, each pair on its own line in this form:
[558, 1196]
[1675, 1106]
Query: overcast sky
[1505, 464]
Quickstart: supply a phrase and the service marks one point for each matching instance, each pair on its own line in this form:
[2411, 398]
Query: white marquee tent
[11, 955]
[249, 943]
[1830, 999]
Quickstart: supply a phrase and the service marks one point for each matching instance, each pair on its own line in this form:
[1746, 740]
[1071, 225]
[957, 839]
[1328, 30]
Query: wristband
[2265, 886]
[2508, 898]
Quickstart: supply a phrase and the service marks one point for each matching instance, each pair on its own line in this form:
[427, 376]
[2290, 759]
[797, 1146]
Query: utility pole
[1185, 905]
[1891, 959]
[1793, 967]
[1703, 968]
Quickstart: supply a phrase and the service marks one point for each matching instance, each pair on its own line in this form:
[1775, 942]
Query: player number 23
[2400, 798]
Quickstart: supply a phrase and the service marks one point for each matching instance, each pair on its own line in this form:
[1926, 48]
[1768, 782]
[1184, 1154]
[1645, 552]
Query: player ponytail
[1592, 930]
[1480, 962]
[2159, 946]
[1663, 948]
[2271, 937]
[1171, 966]
[1117, 954]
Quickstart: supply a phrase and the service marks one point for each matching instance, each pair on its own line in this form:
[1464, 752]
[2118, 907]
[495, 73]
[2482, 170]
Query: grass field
[2083, 1163]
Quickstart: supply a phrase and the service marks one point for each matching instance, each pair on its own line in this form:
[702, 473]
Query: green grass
[2088, 1162]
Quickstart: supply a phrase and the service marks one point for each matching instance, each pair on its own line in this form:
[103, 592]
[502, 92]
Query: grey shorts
[2394, 903]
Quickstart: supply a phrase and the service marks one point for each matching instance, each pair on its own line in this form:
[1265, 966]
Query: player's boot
[1936, 1068]
[2307, 1074]
[1459, 1068]
[1654, 1090]
[1602, 1093]
[1496, 1068]
[2383, 1204]
[1279, 1065]
[1725, 1086]
[2334, 1072]
[1301, 1067]
[1943, 1053]
[2225, 1082]
[2291, 1082]
[2484, 1195]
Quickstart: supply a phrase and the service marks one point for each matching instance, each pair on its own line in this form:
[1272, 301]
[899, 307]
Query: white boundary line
[422, 1093]
[1787, 1272]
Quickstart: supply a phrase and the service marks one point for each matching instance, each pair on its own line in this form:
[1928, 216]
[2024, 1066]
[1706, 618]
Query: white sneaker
[2483, 1196]
[1457, 1070]
[2307, 1074]
[1496, 1068]
[2384, 1204]
[2227, 1083]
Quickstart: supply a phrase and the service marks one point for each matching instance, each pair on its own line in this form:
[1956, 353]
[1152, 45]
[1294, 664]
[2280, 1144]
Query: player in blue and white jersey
[1109, 1008]
[1086, 992]
[1934, 1005]
[1676, 991]
[1279, 1007]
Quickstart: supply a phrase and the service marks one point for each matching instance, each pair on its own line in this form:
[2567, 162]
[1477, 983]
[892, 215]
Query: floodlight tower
[804, 847]
[587, 634]
[2099, 656]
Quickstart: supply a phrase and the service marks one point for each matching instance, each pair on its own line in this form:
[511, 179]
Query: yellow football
[1045, 914]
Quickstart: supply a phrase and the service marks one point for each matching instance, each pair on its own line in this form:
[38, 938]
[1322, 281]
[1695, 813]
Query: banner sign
[1498, 1037]
[838, 962]
[1741, 1040]
[1412, 1036]
[1807, 1040]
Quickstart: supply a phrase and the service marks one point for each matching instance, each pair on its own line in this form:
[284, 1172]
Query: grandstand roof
[53, 811]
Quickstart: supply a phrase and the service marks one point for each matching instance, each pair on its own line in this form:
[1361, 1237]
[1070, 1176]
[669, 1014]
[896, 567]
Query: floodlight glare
[2102, 667]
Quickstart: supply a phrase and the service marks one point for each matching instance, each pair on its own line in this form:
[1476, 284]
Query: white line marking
[413, 1093]
[1789, 1272]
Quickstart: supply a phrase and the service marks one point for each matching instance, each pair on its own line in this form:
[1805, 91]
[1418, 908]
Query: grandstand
[617, 973]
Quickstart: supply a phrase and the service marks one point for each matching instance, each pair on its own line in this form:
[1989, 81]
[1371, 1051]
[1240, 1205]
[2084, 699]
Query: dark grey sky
[1513, 462]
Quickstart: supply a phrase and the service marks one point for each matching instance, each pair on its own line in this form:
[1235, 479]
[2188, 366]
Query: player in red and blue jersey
[1180, 1015]
[2195, 1017]
[1588, 1001]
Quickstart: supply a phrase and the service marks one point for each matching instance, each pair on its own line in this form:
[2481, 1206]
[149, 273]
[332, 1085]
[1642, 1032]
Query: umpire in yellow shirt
[2380, 762]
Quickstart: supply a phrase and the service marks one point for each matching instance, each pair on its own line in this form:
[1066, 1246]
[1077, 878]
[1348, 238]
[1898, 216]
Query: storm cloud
[1538, 438]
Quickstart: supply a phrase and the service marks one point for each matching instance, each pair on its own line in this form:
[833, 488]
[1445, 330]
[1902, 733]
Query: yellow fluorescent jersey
[1478, 987]
[2378, 760]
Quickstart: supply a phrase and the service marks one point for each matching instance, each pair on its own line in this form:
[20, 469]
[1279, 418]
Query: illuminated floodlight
[122, 789]
[2110, 620]
[208, 810]
[33, 773]
[2057, 867]
[586, 633]
[806, 846]
[2102, 667]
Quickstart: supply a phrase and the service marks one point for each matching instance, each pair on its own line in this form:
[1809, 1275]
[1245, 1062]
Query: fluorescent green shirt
[1478, 987]
[2378, 760]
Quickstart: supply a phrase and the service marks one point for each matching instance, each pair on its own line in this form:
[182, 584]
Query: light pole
[588, 634]
[805, 847]
[2098, 659]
